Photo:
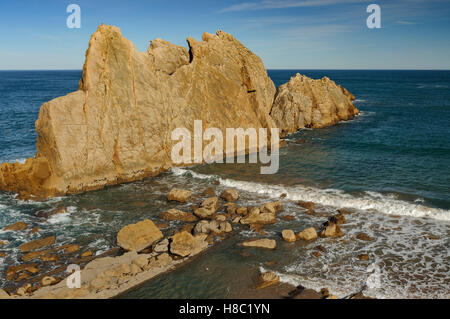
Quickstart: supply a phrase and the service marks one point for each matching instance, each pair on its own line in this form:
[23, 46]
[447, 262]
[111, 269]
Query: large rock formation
[117, 127]
[304, 102]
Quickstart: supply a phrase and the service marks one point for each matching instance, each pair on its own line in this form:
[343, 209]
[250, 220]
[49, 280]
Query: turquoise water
[391, 165]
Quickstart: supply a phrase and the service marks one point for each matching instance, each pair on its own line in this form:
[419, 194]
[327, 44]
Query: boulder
[267, 279]
[288, 235]
[34, 254]
[256, 217]
[175, 214]
[162, 246]
[37, 244]
[179, 195]
[136, 237]
[331, 230]
[307, 234]
[242, 211]
[208, 209]
[184, 244]
[230, 195]
[261, 243]
[363, 257]
[16, 227]
[271, 208]
[337, 219]
[87, 254]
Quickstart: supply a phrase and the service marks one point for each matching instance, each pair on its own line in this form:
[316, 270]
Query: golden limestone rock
[304, 102]
[117, 127]
[136, 237]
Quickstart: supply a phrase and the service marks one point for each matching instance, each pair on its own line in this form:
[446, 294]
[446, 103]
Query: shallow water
[390, 165]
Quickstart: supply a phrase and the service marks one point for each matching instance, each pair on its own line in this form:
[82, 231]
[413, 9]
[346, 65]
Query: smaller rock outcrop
[304, 102]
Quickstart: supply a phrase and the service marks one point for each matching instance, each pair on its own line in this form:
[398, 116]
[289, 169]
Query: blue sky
[286, 34]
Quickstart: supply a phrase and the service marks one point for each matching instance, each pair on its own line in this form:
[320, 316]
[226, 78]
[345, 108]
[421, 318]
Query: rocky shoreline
[143, 252]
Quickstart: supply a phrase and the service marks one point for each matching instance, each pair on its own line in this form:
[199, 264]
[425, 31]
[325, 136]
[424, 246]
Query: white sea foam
[371, 201]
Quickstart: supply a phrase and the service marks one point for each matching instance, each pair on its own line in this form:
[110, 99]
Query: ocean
[390, 165]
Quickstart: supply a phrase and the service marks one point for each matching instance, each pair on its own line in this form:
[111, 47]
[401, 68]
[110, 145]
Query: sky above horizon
[286, 34]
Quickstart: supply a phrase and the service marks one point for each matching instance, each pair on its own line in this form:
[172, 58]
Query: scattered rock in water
[36, 244]
[306, 205]
[2, 254]
[208, 209]
[337, 219]
[221, 218]
[320, 248]
[267, 279]
[72, 248]
[230, 195]
[87, 254]
[258, 228]
[433, 237]
[184, 244]
[49, 213]
[216, 182]
[288, 217]
[188, 228]
[307, 234]
[49, 258]
[300, 141]
[363, 236]
[284, 195]
[136, 237]
[48, 281]
[162, 246]
[271, 208]
[242, 211]
[331, 230]
[260, 243]
[209, 192]
[256, 217]
[2, 243]
[16, 227]
[175, 214]
[34, 254]
[12, 272]
[179, 195]
[363, 257]
[288, 235]
[316, 254]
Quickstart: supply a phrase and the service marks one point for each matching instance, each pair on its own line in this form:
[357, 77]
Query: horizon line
[268, 69]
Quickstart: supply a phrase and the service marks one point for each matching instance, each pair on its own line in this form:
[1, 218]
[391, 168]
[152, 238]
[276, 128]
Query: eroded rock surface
[304, 102]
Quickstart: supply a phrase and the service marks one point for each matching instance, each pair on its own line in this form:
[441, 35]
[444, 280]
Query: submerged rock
[261, 243]
[307, 234]
[36, 244]
[136, 237]
[331, 230]
[268, 279]
[230, 195]
[179, 195]
[16, 227]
